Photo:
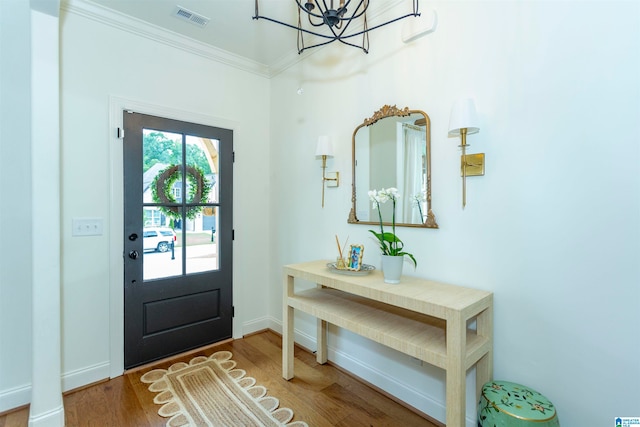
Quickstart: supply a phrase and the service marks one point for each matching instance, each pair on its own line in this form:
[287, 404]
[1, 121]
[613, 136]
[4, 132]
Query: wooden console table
[424, 319]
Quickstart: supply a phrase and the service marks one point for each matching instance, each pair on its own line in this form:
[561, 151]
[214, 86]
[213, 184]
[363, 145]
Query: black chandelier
[336, 19]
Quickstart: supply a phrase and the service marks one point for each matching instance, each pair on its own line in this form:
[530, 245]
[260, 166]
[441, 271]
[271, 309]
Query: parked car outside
[158, 239]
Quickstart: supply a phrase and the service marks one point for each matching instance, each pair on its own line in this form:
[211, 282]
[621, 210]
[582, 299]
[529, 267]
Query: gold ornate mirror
[393, 149]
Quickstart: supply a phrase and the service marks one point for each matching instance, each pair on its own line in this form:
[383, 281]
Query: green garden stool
[506, 404]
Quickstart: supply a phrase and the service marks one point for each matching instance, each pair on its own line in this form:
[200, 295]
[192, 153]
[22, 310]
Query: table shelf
[424, 319]
[415, 334]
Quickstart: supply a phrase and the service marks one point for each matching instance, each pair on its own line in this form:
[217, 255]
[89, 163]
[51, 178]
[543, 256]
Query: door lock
[133, 237]
[133, 254]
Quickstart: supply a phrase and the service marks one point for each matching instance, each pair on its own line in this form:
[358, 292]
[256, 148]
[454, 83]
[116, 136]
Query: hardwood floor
[320, 395]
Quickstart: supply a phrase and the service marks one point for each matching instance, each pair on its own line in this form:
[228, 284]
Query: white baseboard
[256, 325]
[52, 418]
[15, 397]
[84, 376]
[20, 396]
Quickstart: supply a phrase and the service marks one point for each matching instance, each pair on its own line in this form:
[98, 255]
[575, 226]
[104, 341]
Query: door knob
[133, 237]
[133, 254]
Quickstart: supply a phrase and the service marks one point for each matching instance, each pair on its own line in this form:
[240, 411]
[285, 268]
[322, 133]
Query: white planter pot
[392, 268]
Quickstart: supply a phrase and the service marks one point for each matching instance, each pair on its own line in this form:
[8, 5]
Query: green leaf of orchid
[415, 263]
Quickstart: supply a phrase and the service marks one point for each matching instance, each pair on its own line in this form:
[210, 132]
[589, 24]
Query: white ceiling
[231, 27]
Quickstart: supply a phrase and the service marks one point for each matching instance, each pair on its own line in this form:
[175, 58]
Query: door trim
[116, 208]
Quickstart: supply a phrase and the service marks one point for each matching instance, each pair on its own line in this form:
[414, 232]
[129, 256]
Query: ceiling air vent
[187, 15]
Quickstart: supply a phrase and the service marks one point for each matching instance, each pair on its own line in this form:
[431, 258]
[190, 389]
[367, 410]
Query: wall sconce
[464, 121]
[325, 149]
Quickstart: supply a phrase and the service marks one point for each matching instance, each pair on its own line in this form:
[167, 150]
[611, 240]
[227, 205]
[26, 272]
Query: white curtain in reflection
[414, 140]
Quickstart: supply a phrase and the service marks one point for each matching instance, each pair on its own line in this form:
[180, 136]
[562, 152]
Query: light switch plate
[86, 227]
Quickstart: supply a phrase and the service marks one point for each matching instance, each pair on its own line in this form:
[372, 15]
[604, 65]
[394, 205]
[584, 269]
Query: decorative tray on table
[364, 270]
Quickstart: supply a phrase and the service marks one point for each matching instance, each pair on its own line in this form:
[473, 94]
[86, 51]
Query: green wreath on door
[162, 190]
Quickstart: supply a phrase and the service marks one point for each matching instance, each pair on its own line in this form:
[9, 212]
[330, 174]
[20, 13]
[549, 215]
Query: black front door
[178, 232]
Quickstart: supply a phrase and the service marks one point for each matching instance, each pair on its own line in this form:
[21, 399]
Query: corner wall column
[46, 386]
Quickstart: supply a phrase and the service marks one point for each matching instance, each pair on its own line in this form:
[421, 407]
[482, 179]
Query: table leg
[287, 332]
[484, 367]
[456, 382]
[321, 353]
[321, 337]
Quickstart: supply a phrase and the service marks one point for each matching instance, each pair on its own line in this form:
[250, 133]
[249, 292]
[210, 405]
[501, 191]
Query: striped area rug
[210, 391]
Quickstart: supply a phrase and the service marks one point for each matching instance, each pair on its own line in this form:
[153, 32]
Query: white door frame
[116, 208]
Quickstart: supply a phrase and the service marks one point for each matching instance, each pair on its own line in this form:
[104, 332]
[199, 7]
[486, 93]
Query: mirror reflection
[392, 149]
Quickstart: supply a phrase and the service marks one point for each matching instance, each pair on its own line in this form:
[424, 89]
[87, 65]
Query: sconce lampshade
[325, 147]
[463, 115]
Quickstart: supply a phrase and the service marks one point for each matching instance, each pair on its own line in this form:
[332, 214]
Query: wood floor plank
[389, 406]
[312, 374]
[320, 395]
[19, 418]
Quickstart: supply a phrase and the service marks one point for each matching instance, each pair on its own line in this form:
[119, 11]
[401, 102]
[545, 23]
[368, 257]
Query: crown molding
[106, 16]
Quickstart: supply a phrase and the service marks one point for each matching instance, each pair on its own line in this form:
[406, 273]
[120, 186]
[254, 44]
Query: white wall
[103, 66]
[552, 228]
[15, 194]
[99, 61]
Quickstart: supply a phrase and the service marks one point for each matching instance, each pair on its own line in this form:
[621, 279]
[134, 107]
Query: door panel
[171, 313]
[178, 180]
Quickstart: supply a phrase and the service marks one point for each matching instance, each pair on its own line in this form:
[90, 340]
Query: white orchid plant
[390, 244]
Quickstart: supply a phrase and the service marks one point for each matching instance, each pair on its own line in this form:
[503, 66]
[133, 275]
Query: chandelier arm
[349, 20]
[343, 28]
[346, 4]
[365, 36]
[300, 39]
[320, 16]
[341, 38]
[327, 42]
[415, 13]
[326, 10]
[295, 28]
[353, 45]
[354, 16]
[305, 10]
[381, 25]
[365, 40]
[366, 30]
[339, 34]
[322, 23]
[335, 36]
